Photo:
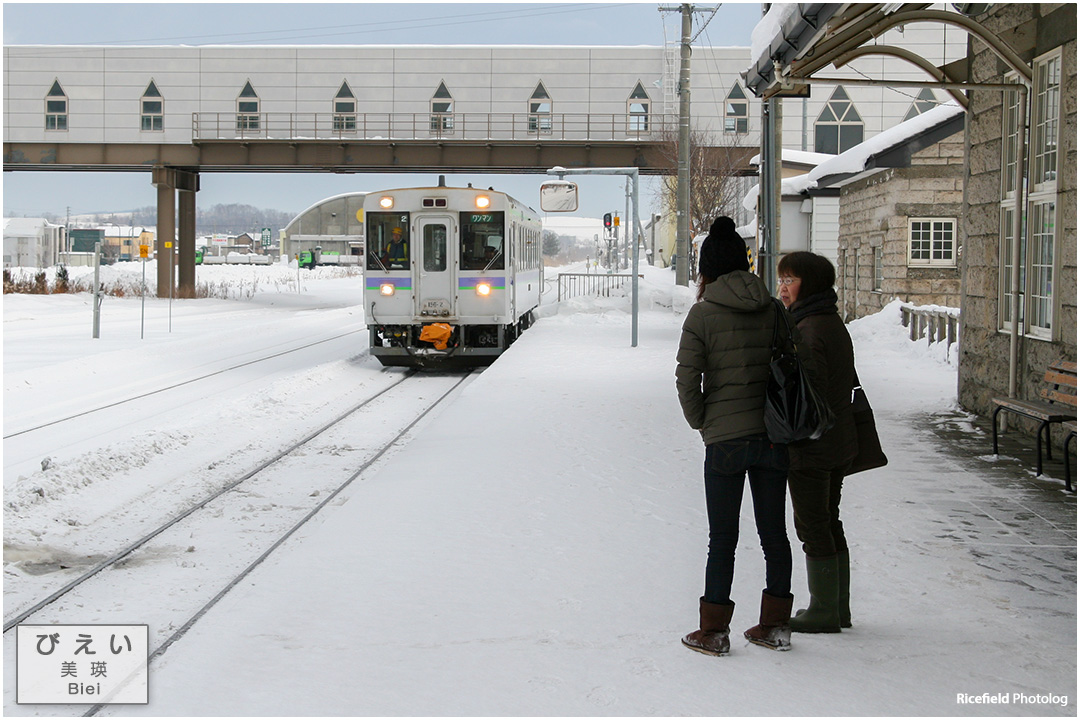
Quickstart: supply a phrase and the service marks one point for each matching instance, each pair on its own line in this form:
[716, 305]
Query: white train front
[452, 274]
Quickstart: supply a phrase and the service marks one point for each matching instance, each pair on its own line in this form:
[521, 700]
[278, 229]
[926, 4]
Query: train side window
[482, 246]
[388, 241]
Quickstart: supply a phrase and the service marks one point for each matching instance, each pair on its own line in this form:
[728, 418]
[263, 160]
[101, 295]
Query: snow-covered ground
[536, 549]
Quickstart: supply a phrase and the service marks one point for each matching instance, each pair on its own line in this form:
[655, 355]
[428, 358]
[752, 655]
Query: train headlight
[483, 289]
[386, 202]
[483, 202]
[386, 289]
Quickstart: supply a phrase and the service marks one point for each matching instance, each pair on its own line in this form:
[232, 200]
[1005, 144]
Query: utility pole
[682, 193]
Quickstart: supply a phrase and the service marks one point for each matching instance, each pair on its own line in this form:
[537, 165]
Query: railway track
[199, 378]
[171, 576]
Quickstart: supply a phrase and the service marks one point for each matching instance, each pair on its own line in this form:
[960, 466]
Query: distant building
[31, 242]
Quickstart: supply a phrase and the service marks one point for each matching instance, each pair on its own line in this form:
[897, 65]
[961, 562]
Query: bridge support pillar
[167, 181]
[186, 222]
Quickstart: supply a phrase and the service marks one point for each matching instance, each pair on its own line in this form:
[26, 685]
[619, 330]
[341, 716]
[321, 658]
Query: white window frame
[344, 107]
[637, 111]
[879, 268]
[147, 115]
[56, 109]
[248, 107]
[736, 111]
[540, 110]
[442, 112]
[1040, 241]
[934, 244]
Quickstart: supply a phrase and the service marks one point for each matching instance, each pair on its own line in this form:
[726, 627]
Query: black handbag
[794, 410]
[870, 455]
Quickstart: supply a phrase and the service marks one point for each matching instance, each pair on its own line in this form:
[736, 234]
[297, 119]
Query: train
[452, 275]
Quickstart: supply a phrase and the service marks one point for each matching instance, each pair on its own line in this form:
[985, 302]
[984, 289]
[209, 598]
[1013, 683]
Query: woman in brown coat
[816, 475]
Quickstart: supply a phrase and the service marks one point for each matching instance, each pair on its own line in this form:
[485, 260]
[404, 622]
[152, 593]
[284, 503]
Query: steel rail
[112, 560]
[183, 629]
[179, 384]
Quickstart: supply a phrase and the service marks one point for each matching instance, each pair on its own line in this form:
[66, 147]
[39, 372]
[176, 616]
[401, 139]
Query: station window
[839, 127]
[637, 110]
[152, 108]
[932, 241]
[442, 111]
[247, 109]
[345, 109]
[540, 111]
[56, 108]
[737, 111]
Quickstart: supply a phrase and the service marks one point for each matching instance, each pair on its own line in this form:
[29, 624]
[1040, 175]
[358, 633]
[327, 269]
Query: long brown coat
[831, 364]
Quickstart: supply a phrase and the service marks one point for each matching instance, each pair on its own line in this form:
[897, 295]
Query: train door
[435, 282]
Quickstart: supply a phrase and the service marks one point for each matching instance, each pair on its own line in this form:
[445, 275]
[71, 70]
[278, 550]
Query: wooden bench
[1058, 405]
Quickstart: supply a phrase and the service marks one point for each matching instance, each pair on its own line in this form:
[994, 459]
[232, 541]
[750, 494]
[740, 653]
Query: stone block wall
[1031, 30]
[874, 213]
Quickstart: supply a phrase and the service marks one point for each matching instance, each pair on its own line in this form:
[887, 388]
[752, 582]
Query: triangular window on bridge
[345, 109]
[736, 111]
[56, 108]
[152, 110]
[442, 111]
[540, 110]
[637, 110]
[247, 109]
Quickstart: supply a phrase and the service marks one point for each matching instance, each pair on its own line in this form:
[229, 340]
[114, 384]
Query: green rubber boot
[823, 615]
[843, 567]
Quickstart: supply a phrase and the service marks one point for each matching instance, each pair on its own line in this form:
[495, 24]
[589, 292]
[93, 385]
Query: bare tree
[715, 177]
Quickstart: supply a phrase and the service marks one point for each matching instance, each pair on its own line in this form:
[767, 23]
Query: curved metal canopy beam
[1003, 51]
[920, 62]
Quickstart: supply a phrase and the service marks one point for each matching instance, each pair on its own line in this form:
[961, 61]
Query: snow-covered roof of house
[924, 130]
[24, 227]
[797, 157]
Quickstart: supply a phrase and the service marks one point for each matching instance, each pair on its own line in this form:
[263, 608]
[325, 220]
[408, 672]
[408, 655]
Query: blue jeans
[727, 464]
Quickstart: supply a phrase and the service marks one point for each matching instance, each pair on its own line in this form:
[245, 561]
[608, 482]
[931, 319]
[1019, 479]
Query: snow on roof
[24, 226]
[798, 157]
[853, 161]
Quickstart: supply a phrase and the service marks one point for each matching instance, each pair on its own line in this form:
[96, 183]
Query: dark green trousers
[815, 498]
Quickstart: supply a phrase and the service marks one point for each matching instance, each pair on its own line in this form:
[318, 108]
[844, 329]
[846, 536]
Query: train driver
[397, 252]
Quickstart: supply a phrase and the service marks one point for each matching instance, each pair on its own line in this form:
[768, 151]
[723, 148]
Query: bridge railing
[576, 284]
[208, 126]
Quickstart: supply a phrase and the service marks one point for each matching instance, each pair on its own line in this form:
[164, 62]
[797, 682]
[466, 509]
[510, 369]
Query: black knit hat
[723, 251]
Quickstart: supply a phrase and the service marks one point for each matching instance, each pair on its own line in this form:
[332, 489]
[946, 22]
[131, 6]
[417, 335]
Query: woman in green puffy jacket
[721, 376]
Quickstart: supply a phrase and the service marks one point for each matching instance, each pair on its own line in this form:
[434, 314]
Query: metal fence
[600, 284]
[933, 323]
[428, 126]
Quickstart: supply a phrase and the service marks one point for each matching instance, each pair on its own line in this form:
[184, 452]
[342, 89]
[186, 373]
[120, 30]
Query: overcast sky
[39, 23]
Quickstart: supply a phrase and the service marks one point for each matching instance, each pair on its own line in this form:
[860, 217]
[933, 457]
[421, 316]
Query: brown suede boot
[773, 631]
[712, 638]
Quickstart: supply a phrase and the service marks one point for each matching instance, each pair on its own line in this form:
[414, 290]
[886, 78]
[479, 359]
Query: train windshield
[388, 241]
[482, 241]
